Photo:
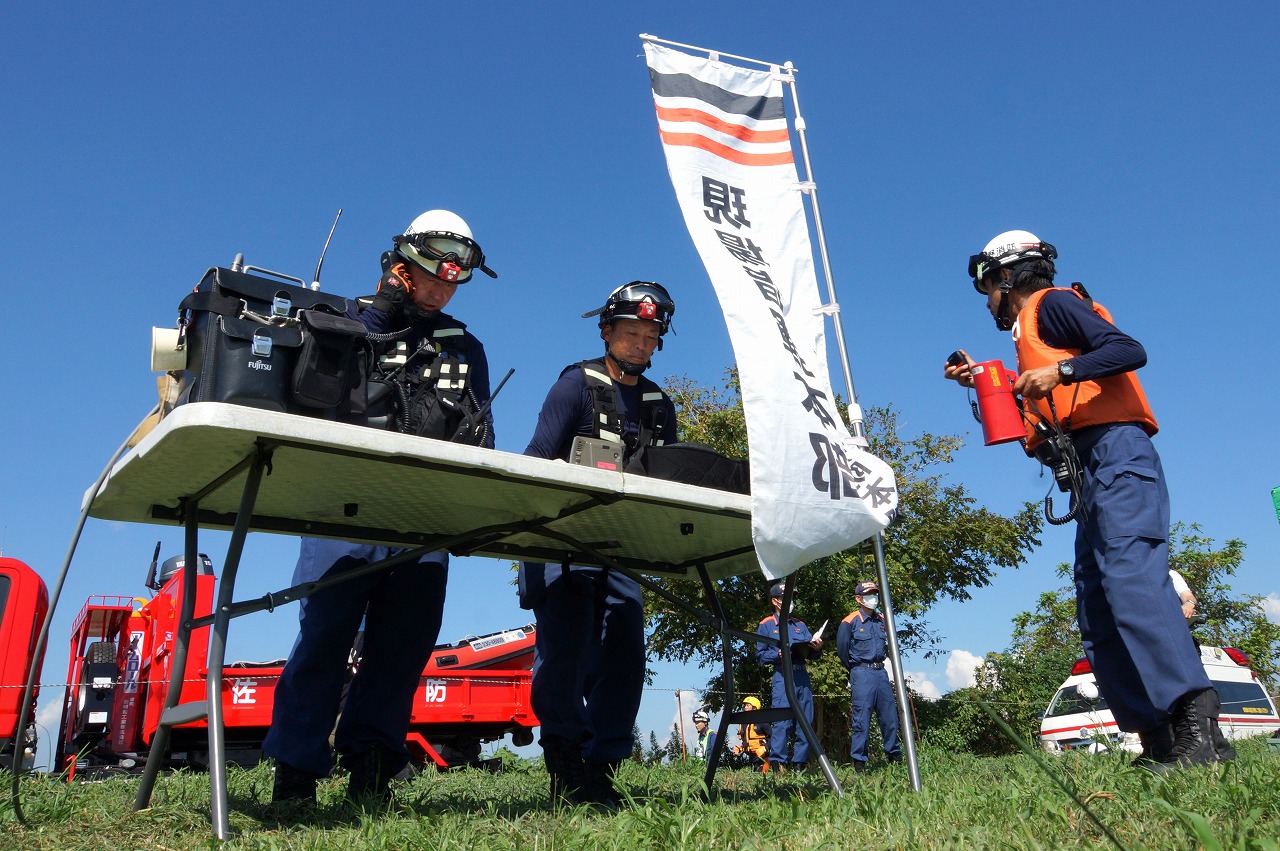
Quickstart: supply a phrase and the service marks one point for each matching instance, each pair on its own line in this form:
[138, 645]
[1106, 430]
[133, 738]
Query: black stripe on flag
[685, 86]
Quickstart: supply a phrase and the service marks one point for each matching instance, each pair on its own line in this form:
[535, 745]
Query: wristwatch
[1066, 372]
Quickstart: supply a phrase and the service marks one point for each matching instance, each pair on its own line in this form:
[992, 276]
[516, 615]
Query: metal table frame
[493, 539]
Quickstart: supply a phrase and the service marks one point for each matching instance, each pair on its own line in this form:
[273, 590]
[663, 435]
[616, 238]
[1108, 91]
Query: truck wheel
[522, 737]
[100, 652]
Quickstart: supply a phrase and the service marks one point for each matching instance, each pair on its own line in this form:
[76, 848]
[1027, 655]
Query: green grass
[967, 802]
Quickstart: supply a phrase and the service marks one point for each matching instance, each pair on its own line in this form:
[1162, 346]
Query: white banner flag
[724, 131]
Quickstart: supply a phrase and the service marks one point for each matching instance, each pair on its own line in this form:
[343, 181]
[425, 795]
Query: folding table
[219, 466]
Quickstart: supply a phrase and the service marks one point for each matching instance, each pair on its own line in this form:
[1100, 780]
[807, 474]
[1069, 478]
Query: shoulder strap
[450, 333]
[606, 421]
[1078, 289]
[653, 414]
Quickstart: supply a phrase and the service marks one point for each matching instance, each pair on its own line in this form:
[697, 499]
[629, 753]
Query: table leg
[726, 653]
[789, 685]
[218, 647]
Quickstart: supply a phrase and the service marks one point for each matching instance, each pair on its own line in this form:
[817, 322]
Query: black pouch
[326, 368]
[243, 338]
[692, 464]
[244, 363]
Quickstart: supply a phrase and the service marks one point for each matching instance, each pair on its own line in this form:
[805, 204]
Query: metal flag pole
[857, 427]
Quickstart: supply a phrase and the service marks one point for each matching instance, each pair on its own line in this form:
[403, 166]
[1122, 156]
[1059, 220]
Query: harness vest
[606, 414]
[432, 396]
[1114, 399]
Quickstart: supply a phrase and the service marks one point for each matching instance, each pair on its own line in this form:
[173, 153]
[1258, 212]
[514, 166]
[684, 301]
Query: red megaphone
[1001, 419]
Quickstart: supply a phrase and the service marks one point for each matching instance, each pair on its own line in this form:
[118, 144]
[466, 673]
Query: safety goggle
[646, 301]
[980, 266]
[442, 246]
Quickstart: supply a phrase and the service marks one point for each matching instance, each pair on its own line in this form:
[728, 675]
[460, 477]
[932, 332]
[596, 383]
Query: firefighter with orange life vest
[1085, 413]
[753, 739]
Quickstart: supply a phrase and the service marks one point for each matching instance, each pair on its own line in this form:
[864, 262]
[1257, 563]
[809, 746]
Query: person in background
[706, 740]
[753, 739]
[785, 753]
[862, 643]
[1185, 597]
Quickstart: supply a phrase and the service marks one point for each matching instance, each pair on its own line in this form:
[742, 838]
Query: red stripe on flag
[735, 130]
[693, 140]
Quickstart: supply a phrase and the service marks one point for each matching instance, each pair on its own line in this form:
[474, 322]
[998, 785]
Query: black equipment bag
[244, 336]
[325, 370]
[692, 464]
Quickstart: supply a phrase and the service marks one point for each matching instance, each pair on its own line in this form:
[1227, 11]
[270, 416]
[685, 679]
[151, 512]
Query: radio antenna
[315, 280]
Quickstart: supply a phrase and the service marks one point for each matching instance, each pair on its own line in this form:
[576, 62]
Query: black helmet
[643, 300]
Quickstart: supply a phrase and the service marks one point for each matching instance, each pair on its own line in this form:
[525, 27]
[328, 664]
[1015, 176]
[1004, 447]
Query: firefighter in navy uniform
[862, 642]
[803, 647]
[590, 662]
[1086, 412]
[401, 607]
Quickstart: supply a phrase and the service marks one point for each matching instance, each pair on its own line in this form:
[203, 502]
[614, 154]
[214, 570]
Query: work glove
[393, 289]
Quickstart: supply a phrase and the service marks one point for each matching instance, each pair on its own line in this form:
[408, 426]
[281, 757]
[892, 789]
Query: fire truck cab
[24, 601]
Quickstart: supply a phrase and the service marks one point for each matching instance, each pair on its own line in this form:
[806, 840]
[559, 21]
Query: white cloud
[961, 665]
[1271, 607]
[923, 686]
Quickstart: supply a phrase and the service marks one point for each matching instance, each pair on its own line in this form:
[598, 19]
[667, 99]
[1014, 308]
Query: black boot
[1156, 744]
[564, 763]
[598, 787]
[1225, 753]
[293, 784]
[1192, 734]
[371, 774]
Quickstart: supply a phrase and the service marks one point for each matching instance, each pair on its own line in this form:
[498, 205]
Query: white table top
[336, 480]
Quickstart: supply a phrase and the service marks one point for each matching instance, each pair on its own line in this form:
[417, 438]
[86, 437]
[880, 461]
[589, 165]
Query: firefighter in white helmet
[401, 607]
[1088, 418]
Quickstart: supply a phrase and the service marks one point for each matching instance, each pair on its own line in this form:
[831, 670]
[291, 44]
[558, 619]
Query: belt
[876, 665]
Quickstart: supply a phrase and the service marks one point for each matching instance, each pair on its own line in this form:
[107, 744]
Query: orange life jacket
[1115, 399]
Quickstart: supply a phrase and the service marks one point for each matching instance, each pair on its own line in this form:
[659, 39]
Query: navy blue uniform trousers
[1131, 623]
[588, 673]
[870, 690]
[780, 731]
[402, 609]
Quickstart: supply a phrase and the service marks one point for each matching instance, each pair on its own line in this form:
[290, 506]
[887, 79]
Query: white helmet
[700, 716]
[440, 243]
[1010, 247]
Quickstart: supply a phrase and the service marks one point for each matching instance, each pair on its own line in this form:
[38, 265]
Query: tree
[942, 545]
[1020, 681]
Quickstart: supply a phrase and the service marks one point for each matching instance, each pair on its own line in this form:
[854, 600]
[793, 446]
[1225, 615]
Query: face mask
[871, 601]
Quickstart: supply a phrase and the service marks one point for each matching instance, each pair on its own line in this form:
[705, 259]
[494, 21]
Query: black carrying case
[245, 336]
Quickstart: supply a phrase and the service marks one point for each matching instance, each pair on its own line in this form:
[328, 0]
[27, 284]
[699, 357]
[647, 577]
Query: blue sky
[141, 147]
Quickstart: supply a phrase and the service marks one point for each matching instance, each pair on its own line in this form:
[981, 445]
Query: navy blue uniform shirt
[1065, 321]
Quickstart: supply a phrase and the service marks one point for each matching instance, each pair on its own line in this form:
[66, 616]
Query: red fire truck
[472, 691]
[24, 600]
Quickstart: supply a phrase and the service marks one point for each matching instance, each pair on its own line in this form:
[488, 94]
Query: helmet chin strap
[1003, 320]
[627, 367]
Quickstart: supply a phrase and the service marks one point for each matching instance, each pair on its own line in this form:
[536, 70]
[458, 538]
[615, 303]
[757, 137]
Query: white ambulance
[1078, 717]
